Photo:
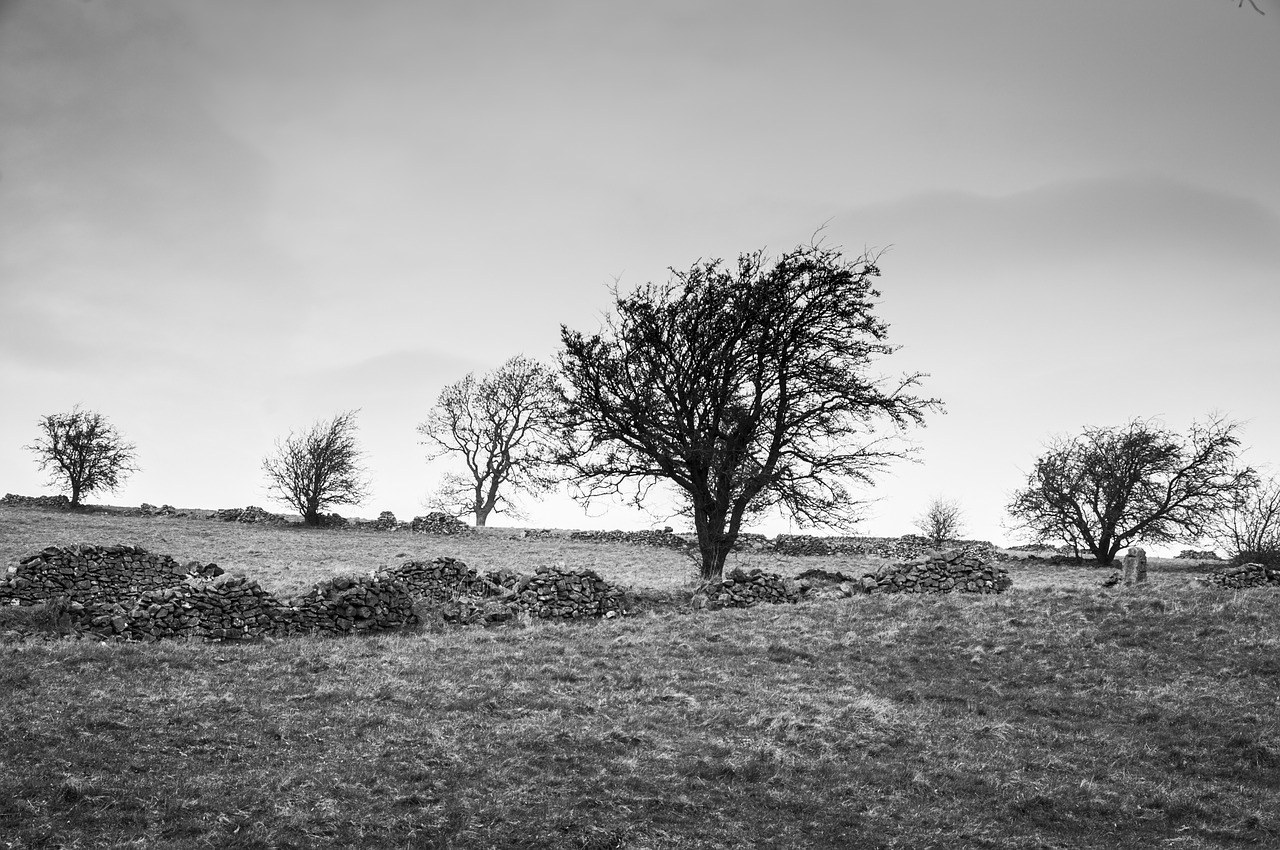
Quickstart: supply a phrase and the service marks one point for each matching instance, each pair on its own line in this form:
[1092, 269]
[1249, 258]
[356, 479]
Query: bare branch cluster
[502, 426]
[746, 387]
[1251, 523]
[318, 468]
[82, 452]
[1109, 487]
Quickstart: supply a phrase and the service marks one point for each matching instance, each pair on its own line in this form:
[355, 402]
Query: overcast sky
[222, 220]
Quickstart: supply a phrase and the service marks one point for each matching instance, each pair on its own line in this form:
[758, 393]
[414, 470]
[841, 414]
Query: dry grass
[1055, 716]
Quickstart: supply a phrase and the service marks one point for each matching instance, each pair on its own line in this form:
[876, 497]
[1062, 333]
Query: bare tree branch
[1251, 522]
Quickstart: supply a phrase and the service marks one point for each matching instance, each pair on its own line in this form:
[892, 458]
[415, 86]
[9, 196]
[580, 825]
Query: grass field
[1057, 715]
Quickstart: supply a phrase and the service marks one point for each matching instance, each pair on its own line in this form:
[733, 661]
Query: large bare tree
[1109, 487]
[745, 387]
[318, 467]
[502, 427]
[82, 452]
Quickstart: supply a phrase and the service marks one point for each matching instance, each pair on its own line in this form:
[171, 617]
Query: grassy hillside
[1057, 715]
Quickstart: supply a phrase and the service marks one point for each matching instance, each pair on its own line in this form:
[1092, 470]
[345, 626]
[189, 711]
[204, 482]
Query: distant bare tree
[943, 520]
[501, 425]
[82, 452]
[1109, 487]
[1251, 523]
[318, 467]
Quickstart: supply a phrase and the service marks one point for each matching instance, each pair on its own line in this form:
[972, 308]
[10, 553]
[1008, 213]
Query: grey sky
[221, 220]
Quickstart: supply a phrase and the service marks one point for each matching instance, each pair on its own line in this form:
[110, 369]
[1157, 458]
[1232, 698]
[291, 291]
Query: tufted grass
[1057, 715]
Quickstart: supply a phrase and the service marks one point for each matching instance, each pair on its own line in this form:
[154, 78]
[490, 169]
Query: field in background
[1057, 715]
[289, 559]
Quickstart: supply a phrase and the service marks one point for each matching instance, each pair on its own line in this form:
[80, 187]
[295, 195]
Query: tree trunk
[713, 544]
[75, 494]
[481, 516]
[713, 558]
[311, 516]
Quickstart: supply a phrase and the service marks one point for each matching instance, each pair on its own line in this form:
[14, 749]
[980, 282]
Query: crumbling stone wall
[342, 604]
[147, 509]
[386, 521]
[907, 547]
[665, 538]
[237, 607]
[1245, 575]
[947, 572]
[469, 596]
[438, 522]
[94, 574]
[229, 608]
[251, 514]
[741, 589]
[13, 500]
[128, 592]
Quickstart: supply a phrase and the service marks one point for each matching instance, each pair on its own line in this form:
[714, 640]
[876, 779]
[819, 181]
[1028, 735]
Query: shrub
[1266, 557]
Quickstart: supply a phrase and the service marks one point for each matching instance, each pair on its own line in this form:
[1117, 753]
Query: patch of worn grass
[1045, 718]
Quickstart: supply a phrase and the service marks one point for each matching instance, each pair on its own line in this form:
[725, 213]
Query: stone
[1135, 566]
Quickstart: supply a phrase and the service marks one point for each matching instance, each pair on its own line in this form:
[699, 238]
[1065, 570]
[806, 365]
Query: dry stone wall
[1245, 575]
[741, 589]
[94, 574]
[13, 500]
[907, 547]
[147, 509]
[229, 608]
[940, 572]
[438, 522]
[468, 596]
[251, 515]
[955, 571]
[127, 592]
[665, 538]
[237, 607]
[386, 521]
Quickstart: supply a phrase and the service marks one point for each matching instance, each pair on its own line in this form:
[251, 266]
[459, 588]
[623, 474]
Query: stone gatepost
[1135, 566]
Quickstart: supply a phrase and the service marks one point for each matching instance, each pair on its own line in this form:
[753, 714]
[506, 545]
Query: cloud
[1077, 221]
[130, 210]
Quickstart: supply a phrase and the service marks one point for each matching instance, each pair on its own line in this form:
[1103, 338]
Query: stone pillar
[1135, 566]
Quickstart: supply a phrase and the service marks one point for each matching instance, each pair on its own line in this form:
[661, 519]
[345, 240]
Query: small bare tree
[82, 452]
[943, 520]
[318, 467]
[502, 426]
[1251, 523]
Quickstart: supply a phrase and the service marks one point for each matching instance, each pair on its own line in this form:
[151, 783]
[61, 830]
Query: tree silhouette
[82, 452]
[502, 427]
[318, 467]
[746, 388]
